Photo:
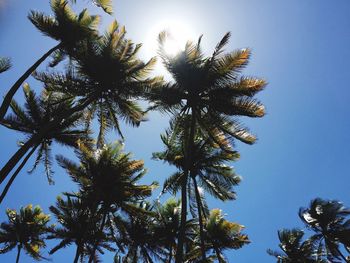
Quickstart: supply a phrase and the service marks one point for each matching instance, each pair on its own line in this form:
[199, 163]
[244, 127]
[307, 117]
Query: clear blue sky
[302, 48]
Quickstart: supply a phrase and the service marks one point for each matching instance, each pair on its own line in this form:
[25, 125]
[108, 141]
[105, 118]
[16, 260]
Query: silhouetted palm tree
[26, 230]
[295, 250]
[67, 28]
[37, 112]
[79, 226]
[211, 91]
[5, 64]
[209, 169]
[108, 180]
[326, 218]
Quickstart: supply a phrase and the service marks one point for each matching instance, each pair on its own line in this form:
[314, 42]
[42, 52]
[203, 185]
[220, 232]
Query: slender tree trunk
[200, 218]
[77, 254]
[189, 152]
[19, 248]
[14, 160]
[37, 137]
[13, 177]
[8, 97]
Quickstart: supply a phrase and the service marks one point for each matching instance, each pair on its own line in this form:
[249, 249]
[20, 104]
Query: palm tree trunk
[200, 219]
[17, 157]
[13, 177]
[37, 137]
[182, 232]
[8, 97]
[19, 248]
[77, 254]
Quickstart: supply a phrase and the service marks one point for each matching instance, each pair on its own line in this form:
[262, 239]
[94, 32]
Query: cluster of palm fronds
[102, 80]
[329, 224]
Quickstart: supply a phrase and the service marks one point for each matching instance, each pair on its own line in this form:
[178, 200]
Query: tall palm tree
[5, 64]
[79, 226]
[26, 230]
[108, 180]
[67, 28]
[107, 78]
[295, 250]
[209, 169]
[326, 218]
[37, 112]
[211, 91]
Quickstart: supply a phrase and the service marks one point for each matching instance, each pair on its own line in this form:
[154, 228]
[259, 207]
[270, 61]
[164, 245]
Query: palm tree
[209, 169]
[67, 28]
[142, 239]
[37, 112]
[5, 64]
[107, 78]
[221, 234]
[108, 180]
[295, 250]
[211, 91]
[78, 225]
[25, 230]
[326, 218]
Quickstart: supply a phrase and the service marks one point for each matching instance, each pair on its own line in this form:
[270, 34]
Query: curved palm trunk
[77, 254]
[182, 232]
[13, 177]
[19, 248]
[9, 95]
[14, 160]
[199, 208]
[37, 137]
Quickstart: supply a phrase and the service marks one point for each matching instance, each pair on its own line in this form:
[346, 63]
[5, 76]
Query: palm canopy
[37, 112]
[65, 26]
[209, 162]
[327, 218]
[210, 88]
[106, 77]
[26, 229]
[5, 64]
[108, 177]
[77, 225]
[222, 234]
[295, 250]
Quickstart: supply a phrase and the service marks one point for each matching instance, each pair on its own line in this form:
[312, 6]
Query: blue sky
[300, 47]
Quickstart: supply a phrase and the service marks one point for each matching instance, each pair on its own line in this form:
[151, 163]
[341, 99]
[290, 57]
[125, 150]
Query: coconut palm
[107, 77]
[77, 225]
[142, 241]
[108, 180]
[67, 28]
[5, 64]
[209, 170]
[211, 91]
[222, 234]
[327, 219]
[37, 112]
[26, 230]
[295, 250]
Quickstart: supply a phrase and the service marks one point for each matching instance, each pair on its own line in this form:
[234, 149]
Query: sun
[178, 35]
